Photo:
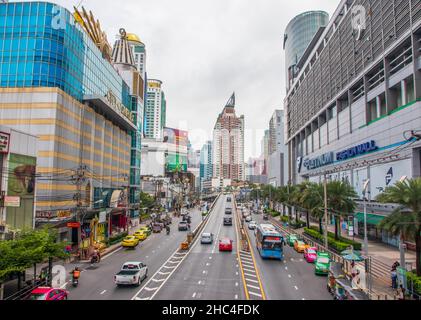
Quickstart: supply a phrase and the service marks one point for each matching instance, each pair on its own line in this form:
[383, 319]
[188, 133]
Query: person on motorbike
[75, 273]
[96, 257]
[168, 229]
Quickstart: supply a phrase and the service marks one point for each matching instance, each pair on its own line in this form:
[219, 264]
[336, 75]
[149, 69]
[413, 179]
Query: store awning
[373, 219]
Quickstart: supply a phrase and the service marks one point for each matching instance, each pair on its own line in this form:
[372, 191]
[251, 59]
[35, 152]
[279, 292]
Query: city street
[292, 279]
[97, 283]
[206, 273]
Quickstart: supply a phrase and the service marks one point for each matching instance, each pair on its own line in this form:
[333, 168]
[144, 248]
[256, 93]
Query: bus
[269, 242]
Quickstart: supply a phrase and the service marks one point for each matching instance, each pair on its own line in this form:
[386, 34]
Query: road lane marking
[251, 286]
[250, 275]
[111, 253]
[248, 269]
[199, 282]
[64, 284]
[236, 297]
[286, 268]
[150, 289]
[141, 298]
[255, 281]
[194, 295]
[155, 280]
[246, 262]
[296, 288]
[289, 276]
[164, 273]
[236, 284]
[103, 292]
[168, 267]
[255, 294]
[207, 264]
[147, 257]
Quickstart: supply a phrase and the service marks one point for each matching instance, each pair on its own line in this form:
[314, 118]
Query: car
[130, 242]
[140, 235]
[206, 238]
[156, 228]
[48, 293]
[310, 254]
[252, 225]
[227, 221]
[131, 273]
[146, 229]
[265, 216]
[300, 246]
[228, 199]
[228, 210]
[248, 219]
[225, 244]
[187, 218]
[321, 265]
[182, 226]
[291, 239]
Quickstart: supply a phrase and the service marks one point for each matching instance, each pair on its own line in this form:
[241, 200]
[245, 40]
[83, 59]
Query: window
[372, 110]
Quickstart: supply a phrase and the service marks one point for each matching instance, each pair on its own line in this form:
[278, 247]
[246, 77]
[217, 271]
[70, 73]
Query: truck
[131, 273]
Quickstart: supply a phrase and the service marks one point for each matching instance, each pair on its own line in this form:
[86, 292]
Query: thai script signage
[12, 201]
[4, 142]
[320, 161]
[116, 104]
[356, 151]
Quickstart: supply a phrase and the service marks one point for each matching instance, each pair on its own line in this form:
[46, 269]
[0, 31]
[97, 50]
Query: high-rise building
[298, 35]
[228, 144]
[59, 84]
[277, 164]
[354, 111]
[139, 53]
[206, 162]
[124, 62]
[155, 110]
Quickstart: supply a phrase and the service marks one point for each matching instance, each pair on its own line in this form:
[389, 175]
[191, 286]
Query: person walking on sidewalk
[394, 276]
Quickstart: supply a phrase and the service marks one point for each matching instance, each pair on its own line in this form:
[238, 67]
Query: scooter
[168, 231]
[75, 281]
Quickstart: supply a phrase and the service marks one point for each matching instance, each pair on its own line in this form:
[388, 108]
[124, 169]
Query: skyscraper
[155, 110]
[228, 144]
[139, 53]
[206, 162]
[277, 162]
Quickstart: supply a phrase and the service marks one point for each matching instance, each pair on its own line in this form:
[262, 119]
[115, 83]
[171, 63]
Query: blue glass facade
[41, 45]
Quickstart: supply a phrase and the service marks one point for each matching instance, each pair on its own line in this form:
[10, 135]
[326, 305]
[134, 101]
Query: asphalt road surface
[206, 273]
[97, 282]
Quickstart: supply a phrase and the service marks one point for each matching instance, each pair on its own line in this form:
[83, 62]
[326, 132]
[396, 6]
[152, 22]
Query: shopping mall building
[354, 109]
[57, 82]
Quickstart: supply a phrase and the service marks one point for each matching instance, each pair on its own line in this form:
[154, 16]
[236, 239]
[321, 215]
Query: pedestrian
[353, 269]
[394, 277]
[401, 293]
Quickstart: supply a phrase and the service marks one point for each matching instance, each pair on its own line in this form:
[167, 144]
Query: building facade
[206, 163]
[354, 110]
[18, 152]
[58, 83]
[298, 34]
[228, 144]
[155, 110]
[277, 162]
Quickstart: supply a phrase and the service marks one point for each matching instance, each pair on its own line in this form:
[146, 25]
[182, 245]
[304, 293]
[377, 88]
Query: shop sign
[4, 142]
[45, 214]
[357, 151]
[320, 161]
[102, 217]
[13, 202]
[63, 214]
[73, 224]
[117, 105]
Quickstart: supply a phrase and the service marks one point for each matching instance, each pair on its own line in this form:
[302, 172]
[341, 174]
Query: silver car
[206, 238]
[252, 225]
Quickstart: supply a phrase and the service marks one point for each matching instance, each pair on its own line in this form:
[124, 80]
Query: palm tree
[406, 219]
[341, 200]
[311, 199]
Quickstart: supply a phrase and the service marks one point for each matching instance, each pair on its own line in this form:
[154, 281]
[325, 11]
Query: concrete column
[378, 106]
[404, 92]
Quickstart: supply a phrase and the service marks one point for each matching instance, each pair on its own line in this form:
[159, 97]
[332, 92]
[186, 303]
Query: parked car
[225, 244]
[206, 238]
[252, 225]
[156, 228]
[131, 273]
[310, 254]
[130, 242]
[321, 266]
[182, 226]
[48, 293]
[227, 221]
[146, 229]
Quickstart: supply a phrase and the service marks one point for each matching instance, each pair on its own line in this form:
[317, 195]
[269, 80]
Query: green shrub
[333, 244]
[355, 244]
[297, 225]
[284, 218]
[117, 238]
[416, 282]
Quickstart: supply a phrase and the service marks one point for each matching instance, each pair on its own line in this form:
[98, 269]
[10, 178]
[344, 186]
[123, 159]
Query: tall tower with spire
[228, 144]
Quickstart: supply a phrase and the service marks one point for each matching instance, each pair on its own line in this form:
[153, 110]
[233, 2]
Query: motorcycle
[168, 231]
[94, 259]
[75, 281]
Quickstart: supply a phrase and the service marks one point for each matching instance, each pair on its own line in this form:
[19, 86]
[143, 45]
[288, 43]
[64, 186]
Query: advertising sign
[102, 217]
[351, 226]
[73, 224]
[12, 201]
[21, 175]
[4, 142]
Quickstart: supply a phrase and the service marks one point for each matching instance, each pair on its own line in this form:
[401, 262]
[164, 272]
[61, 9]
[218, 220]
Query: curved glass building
[298, 35]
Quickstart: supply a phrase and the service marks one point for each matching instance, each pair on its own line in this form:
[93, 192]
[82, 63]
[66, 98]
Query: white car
[252, 225]
[131, 273]
[248, 218]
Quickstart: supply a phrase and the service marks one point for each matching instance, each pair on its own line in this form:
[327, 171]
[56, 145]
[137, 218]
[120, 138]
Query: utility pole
[79, 179]
[325, 216]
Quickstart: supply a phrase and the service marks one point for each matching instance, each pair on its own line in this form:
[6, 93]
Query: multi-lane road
[203, 272]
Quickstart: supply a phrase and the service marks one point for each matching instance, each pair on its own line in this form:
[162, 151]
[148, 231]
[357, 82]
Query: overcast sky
[203, 50]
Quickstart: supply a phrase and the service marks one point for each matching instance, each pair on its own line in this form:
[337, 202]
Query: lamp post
[402, 245]
[365, 187]
[325, 215]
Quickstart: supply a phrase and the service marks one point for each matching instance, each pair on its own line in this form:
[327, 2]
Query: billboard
[176, 157]
[21, 175]
[176, 137]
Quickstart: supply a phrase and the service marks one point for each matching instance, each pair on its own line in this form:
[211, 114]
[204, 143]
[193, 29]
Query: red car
[225, 244]
[310, 254]
[48, 293]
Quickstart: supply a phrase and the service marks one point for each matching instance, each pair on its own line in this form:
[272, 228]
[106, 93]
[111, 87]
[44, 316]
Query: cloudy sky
[203, 50]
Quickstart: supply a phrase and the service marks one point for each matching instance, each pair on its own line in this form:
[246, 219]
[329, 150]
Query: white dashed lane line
[296, 288]
[103, 292]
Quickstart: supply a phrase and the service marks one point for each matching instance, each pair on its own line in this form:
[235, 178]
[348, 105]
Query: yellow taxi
[300, 246]
[140, 235]
[147, 230]
[130, 242]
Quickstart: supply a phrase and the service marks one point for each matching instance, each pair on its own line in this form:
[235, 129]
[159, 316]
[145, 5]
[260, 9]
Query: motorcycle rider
[75, 273]
[168, 229]
[96, 257]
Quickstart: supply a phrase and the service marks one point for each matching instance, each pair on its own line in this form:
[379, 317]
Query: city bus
[269, 242]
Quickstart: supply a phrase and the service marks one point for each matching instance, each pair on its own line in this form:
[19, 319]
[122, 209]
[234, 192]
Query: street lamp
[365, 187]
[402, 245]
